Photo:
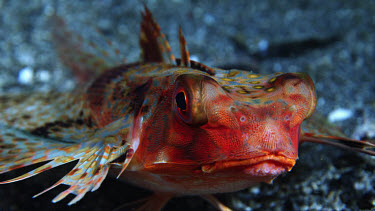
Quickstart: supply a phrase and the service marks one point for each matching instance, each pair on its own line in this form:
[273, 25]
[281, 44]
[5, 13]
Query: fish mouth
[268, 165]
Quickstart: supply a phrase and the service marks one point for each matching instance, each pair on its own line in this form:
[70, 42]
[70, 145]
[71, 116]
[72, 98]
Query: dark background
[333, 41]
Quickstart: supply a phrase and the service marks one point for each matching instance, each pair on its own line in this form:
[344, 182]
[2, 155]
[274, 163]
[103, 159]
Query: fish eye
[182, 105]
[181, 101]
[187, 99]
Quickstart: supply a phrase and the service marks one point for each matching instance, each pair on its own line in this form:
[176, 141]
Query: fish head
[221, 125]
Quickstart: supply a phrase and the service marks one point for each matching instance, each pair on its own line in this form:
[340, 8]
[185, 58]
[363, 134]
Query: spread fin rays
[94, 157]
[28, 111]
[33, 129]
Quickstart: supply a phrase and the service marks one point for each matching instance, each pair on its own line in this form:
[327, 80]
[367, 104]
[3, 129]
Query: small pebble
[25, 75]
[340, 114]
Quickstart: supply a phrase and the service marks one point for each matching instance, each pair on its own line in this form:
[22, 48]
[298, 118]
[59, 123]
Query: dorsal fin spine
[185, 58]
[155, 47]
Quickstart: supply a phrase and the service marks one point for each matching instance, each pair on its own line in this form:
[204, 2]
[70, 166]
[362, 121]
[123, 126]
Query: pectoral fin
[94, 156]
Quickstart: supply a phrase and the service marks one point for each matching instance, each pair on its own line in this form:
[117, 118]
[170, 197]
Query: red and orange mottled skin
[173, 126]
[230, 140]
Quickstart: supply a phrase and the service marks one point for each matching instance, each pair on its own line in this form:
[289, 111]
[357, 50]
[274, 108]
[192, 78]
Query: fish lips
[263, 166]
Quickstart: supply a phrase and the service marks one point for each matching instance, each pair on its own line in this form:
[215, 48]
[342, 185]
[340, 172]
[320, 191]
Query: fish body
[174, 126]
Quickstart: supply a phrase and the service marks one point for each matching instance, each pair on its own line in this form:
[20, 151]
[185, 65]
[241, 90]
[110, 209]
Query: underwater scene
[333, 42]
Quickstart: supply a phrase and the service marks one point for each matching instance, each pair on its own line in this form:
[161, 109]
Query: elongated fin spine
[185, 58]
[154, 45]
[366, 146]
